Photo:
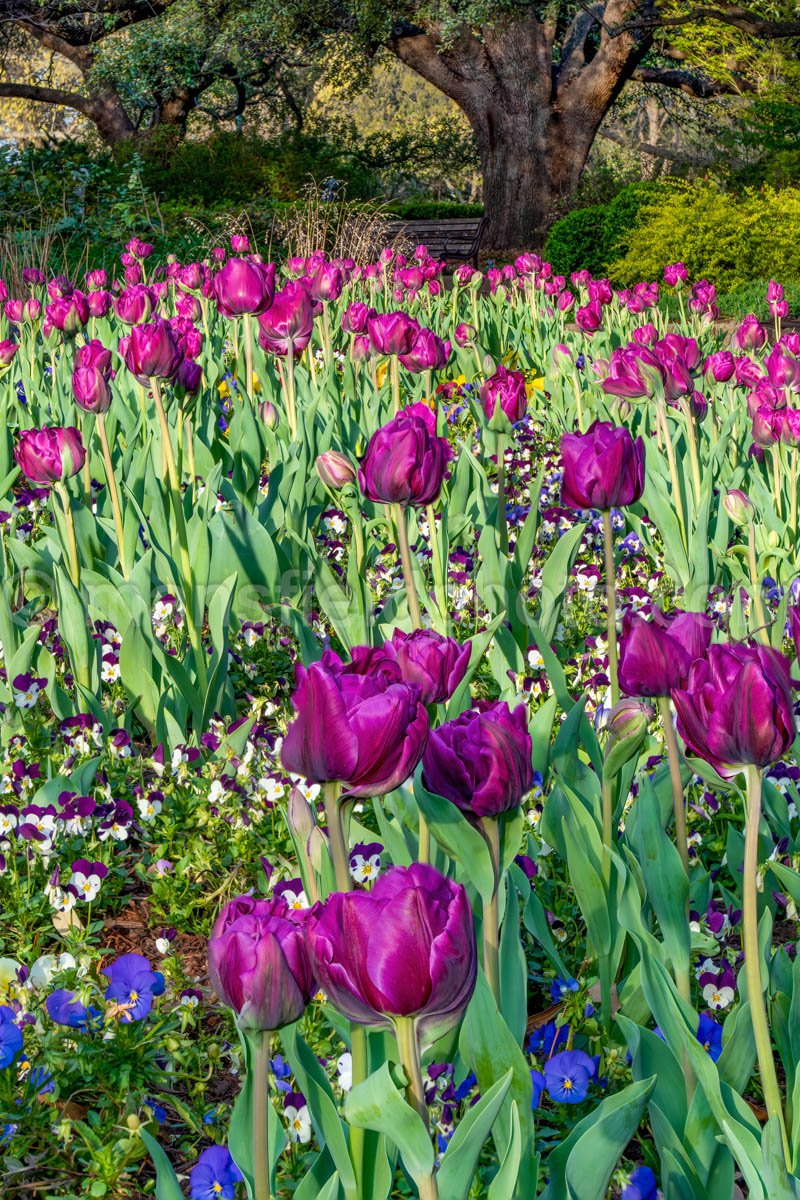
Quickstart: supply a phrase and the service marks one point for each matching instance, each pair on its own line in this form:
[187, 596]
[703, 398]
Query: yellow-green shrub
[727, 238]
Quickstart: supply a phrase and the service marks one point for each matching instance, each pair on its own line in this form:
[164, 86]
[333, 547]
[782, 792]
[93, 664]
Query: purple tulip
[589, 318]
[632, 373]
[98, 303]
[783, 369]
[428, 353]
[258, 963]
[465, 334]
[356, 316]
[506, 389]
[152, 352]
[134, 305]
[405, 462]
[437, 664]
[50, 455]
[720, 366]
[94, 354]
[603, 468]
[736, 707]
[287, 323]
[481, 761]
[359, 729]
[335, 470]
[327, 282]
[404, 950]
[68, 314]
[244, 286]
[91, 390]
[750, 334]
[7, 351]
[392, 333]
[655, 656]
[675, 274]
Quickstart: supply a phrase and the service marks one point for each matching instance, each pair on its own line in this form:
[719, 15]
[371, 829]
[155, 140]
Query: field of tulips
[400, 788]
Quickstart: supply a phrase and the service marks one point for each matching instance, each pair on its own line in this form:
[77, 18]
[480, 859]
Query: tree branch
[677, 156]
[692, 85]
[732, 15]
[47, 95]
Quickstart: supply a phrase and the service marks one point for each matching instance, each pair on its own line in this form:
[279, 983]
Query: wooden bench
[449, 238]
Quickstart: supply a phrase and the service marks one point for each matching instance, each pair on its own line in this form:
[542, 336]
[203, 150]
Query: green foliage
[421, 209]
[594, 237]
[731, 239]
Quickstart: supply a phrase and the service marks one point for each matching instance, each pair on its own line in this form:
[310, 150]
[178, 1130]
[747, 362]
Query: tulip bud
[465, 334]
[335, 470]
[318, 852]
[269, 414]
[738, 506]
[299, 815]
[626, 726]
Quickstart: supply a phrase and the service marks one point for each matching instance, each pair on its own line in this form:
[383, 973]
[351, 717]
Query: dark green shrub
[420, 209]
[576, 242]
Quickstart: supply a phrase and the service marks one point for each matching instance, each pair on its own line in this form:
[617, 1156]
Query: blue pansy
[560, 988]
[641, 1185]
[547, 1038]
[282, 1072]
[214, 1176]
[709, 1035]
[539, 1084]
[133, 984]
[464, 1088]
[567, 1076]
[10, 1036]
[64, 1008]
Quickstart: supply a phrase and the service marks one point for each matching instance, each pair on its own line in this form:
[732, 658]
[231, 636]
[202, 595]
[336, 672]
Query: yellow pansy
[382, 372]
[9, 979]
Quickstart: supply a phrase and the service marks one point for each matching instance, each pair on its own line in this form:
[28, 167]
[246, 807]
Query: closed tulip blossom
[134, 305]
[736, 707]
[504, 390]
[405, 462]
[655, 656]
[356, 316]
[335, 470]
[361, 730]
[7, 351]
[632, 373]
[258, 963]
[90, 389]
[603, 468]
[437, 664]
[481, 761]
[750, 334]
[286, 325]
[50, 455]
[392, 333]
[244, 286]
[403, 951]
[720, 366]
[675, 274]
[152, 352]
[428, 353]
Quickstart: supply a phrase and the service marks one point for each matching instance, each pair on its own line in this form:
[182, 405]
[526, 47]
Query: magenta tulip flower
[405, 462]
[675, 274]
[428, 353]
[506, 390]
[335, 470]
[736, 708]
[404, 950]
[655, 656]
[94, 354]
[720, 366]
[392, 333]
[481, 761]
[259, 964]
[437, 664]
[750, 334]
[50, 455]
[326, 283]
[134, 305]
[359, 729]
[356, 316]
[632, 373]
[287, 323]
[603, 468]
[244, 286]
[90, 389]
[7, 351]
[68, 314]
[152, 352]
[589, 318]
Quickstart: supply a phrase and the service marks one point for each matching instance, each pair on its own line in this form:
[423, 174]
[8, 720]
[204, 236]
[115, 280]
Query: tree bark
[535, 108]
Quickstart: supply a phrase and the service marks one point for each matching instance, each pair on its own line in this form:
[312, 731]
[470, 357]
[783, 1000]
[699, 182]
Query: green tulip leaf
[167, 1185]
[457, 1169]
[378, 1104]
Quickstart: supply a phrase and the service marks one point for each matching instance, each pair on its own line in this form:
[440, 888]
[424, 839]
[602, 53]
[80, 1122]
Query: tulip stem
[679, 812]
[502, 523]
[113, 493]
[360, 1069]
[405, 561]
[260, 1067]
[691, 442]
[291, 409]
[611, 603]
[72, 543]
[339, 855]
[439, 570]
[752, 956]
[406, 1034]
[755, 585]
[248, 355]
[195, 639]
[794, 454]
[394, 373]
[491, 931]
[661, 415]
